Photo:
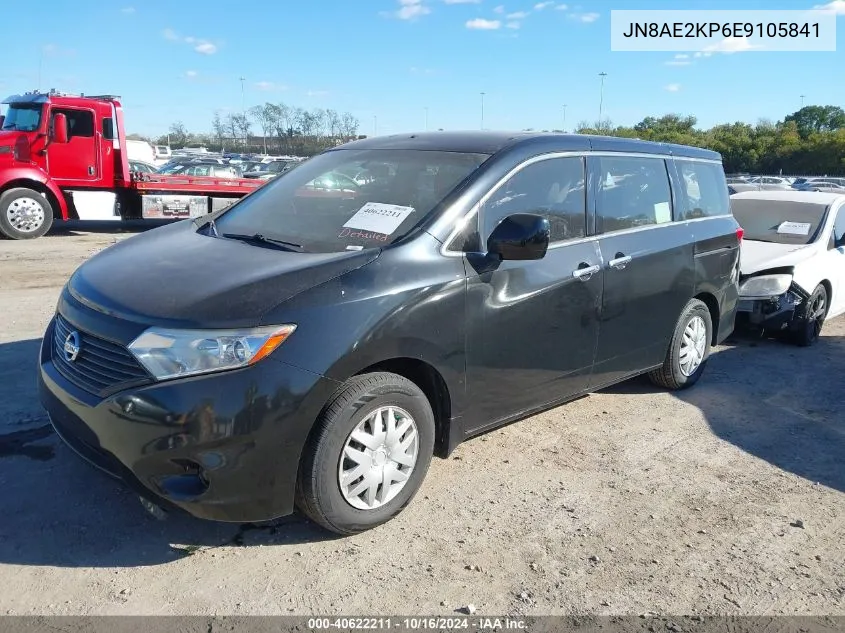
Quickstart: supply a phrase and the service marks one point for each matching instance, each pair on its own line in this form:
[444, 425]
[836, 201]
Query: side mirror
[521, 236]
[60, 134]
[2, 120]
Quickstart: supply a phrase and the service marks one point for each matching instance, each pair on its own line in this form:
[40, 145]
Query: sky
[402, 65]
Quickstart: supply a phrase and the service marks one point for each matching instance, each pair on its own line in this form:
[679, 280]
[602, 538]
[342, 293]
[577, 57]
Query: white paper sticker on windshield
[379, 218]
[795, 228]
[662, 212]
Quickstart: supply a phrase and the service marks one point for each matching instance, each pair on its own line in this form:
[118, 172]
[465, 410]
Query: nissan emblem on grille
[72, 346]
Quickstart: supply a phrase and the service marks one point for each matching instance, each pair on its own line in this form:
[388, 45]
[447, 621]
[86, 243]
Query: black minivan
[316, 343]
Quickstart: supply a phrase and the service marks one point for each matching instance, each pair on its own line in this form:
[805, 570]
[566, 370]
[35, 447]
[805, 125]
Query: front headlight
[765, 286]
[176, 353]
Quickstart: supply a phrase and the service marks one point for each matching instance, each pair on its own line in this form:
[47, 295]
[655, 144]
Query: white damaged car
[792, 275]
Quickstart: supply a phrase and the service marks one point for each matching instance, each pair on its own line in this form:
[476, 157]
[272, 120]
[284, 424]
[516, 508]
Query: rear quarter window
[703, 191]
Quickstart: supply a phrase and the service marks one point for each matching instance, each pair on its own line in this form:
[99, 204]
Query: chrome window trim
[460, 223]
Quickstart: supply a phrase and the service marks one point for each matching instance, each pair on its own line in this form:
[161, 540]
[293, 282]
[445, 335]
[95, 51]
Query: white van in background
[141, 151]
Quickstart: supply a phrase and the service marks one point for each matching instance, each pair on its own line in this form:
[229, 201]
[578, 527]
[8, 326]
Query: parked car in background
[208, 169]
[162, 154]
[317, 350]
[770, 182]
[142, 167]
[793, 261]
[267, 171]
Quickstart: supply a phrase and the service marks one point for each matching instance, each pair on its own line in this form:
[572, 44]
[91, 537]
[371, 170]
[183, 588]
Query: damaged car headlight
[173, 353]
[764, 286]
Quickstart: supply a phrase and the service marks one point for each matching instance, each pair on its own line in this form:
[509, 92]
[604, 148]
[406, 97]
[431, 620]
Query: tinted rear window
[703, 191]
[779, 221]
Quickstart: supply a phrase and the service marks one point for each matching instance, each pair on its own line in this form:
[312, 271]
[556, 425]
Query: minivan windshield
[780, 222]
[23, 117]
[350, 199]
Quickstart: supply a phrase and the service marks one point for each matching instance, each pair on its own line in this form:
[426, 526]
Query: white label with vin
[379, 218]
[794, 228]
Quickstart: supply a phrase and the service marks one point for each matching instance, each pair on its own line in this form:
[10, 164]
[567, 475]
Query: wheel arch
[53, 194]
[712, 304]
[433, 385]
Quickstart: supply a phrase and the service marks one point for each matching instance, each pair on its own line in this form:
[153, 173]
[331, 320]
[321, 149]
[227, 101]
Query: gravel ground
[724, 499]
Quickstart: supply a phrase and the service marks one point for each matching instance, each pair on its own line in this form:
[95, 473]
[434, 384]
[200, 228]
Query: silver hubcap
[25, 214]
[693, 345]
[378, 458]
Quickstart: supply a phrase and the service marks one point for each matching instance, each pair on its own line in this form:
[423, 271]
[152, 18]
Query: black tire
[318, 493]
[670, 375]
[8, 229]
[810, 319]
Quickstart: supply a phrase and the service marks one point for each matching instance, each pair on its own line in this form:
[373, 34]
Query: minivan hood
[173, 276]
[760, 256]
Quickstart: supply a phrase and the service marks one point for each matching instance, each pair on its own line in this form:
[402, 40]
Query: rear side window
[703, 193]
[632, 192]
[838, 236]
[553, 188]
[108, 129]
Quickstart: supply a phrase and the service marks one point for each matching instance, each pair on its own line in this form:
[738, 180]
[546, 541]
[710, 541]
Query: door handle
[620, 261]
[586, 272]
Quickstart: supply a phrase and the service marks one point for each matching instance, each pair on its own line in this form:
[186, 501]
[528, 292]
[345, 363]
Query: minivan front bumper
[222, 446]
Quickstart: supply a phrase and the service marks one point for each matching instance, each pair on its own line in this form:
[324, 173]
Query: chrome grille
[101, 366]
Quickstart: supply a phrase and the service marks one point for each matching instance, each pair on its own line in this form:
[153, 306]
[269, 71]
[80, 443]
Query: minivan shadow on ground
[60, 511]
[780, 403]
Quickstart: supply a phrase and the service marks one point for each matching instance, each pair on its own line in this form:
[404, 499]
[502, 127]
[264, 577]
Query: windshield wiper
[261, 239]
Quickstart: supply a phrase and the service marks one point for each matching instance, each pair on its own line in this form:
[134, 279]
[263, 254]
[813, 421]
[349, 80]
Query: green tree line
[809, 141]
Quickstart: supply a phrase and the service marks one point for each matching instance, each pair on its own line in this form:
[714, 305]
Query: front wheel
[689, 349]
[24, 214]
[811, 319]
[368, 454]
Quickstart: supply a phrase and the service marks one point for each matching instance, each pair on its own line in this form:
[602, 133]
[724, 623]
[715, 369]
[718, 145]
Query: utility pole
[601, 96]
[564, 118]
[482, 110]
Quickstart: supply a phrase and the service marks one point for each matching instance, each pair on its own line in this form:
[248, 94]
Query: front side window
[23, 117]
[703, 193]
[79, 122]
[321, 208]
[632, 192]
[553, 188]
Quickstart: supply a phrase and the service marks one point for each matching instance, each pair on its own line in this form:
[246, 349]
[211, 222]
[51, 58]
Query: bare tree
[264, 116]
[218, 126]
[349, 125]
[178, 134]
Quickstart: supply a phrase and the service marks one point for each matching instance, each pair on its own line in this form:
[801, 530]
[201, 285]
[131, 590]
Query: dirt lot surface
[724, 499]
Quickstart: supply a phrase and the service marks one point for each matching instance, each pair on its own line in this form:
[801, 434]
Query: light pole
[802, 101]
[426, 118]
[564, 118]
[482, 110]
[375, 125]
[243, 107]
[601, 96]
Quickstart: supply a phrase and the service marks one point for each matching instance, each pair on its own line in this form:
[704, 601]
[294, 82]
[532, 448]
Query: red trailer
[63, 157]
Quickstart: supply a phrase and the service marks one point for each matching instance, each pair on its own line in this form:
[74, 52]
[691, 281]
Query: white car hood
[760, 256]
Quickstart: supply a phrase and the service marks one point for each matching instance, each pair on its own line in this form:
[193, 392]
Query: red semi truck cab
[62, 157]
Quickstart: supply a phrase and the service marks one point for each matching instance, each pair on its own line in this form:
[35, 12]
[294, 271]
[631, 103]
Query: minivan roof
[492, 142]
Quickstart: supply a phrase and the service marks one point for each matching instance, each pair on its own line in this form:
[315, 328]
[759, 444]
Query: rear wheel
[368, 454]
[811, 319]
[689, 349]
[24, 214]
